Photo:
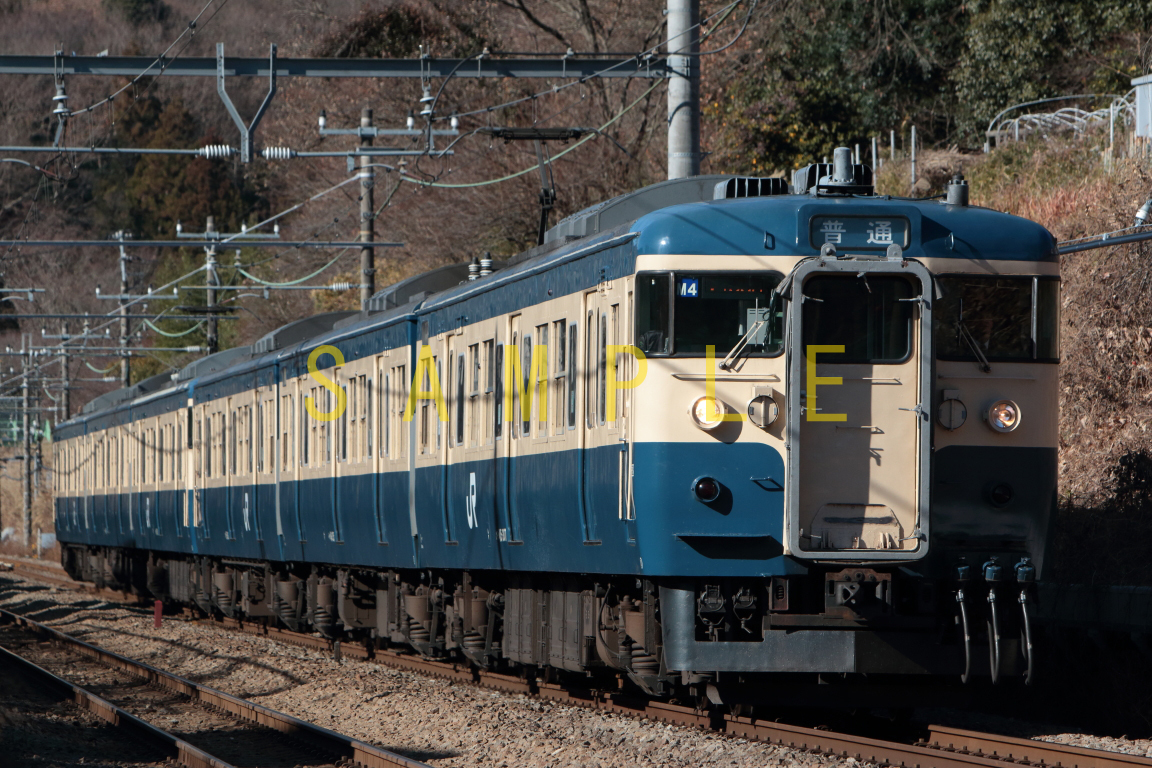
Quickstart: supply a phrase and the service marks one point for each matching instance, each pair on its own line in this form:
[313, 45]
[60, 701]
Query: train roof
[701, 215]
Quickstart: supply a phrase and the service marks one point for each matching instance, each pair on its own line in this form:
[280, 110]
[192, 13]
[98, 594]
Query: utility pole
[125, 372]
[212, 282]
[25, 406]
[65, 397]
[367, 221]
[683, 89]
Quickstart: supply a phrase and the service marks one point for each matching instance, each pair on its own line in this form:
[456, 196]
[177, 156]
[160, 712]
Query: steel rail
[1007, 748]
[945, 747]
[187, 754]
[351, 749]
[936, 752]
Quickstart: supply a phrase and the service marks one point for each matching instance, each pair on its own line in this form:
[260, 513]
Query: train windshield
[684, 314]
[1005, 318]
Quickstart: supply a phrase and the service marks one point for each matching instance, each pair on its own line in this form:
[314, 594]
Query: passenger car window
[682, 314]
[1007, 318]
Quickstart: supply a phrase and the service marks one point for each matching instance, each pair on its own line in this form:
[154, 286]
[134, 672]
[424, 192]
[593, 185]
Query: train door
[339, 431]
[605, 459]
[452, 483]
[860, 363]
[513, 425]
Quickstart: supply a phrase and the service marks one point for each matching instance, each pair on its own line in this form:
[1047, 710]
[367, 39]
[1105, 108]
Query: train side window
[614, 337]
[475, 404]
[260, 436]
[439, 377]
[424, 439]
[460, 399]
[207, 446]
[343, 426]
[489, 388]
[233, 439]
[590, 370]
[540, 386]
[314, 428]
[498, 372]
[559, 376]
[602, 369]
[402, 427]
[327, 426]
[367, 417]
[386, 416]
[160, 455]
[572, 347]
[353, 436]
[527, 391]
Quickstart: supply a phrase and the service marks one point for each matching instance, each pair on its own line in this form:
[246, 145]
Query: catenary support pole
[125, 371]
[367, 222]
[27, 465]
[65, 399]
[213, 324]
[877, 163]
[683, 89]
[892, 146]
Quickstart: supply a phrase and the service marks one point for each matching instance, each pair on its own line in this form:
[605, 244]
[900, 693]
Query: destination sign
[860, 232]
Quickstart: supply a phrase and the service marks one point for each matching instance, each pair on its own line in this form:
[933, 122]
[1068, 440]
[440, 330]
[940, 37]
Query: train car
[718, 432]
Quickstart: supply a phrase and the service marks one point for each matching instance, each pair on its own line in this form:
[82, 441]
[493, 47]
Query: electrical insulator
[339, 287]
[277, 153]
[61, 99]
[217, 151]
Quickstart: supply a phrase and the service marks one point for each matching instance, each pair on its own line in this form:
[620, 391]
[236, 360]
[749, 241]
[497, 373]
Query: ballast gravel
[435, 721]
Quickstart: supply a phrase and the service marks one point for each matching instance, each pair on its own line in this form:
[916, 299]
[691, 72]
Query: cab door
[860, 363]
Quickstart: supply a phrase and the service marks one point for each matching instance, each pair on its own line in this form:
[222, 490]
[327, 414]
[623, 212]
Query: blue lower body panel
[562, 511]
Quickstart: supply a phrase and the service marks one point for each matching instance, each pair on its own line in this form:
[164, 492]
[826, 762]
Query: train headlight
[707, 412]
[1004, 416]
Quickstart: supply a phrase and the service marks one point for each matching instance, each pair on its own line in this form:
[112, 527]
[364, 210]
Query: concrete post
[125, 371]
[213, 321]
[683, 89]
[27, 465]
[367, 222]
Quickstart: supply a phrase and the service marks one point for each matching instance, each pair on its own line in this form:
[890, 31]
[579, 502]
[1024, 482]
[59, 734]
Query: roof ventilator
[743, 186]
[840, 177]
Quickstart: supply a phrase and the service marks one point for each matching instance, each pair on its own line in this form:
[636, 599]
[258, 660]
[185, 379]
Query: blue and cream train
[787, 430]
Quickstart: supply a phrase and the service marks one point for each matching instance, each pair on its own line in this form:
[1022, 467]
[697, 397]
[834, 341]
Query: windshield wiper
[975, 347]
[730, 360]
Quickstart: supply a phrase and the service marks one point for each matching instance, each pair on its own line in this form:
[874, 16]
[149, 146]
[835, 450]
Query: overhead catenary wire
[270, 284]
[162, 332]
[725, 11]
[530, 169]
[114, 317]
[160, 60]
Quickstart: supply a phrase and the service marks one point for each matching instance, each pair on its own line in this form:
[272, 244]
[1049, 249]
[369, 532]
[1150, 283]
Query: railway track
[208, 728]
[941, 747]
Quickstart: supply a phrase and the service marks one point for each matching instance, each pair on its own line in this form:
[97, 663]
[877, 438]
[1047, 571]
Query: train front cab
[850, 508]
